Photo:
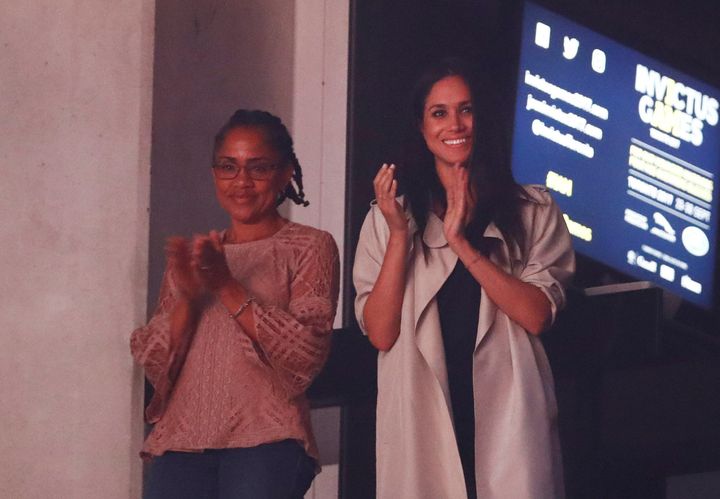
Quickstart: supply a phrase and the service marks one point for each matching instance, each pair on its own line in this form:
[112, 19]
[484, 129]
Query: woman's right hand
[189, 287]
[385, 185]
[178, 253]
[208, 261]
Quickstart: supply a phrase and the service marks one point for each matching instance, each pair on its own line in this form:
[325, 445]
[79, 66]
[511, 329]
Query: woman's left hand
[460, 206]
[208, 261]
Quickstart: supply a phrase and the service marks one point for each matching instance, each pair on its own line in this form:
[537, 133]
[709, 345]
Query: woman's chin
[246, 219]
[452, 161]
[252, 217]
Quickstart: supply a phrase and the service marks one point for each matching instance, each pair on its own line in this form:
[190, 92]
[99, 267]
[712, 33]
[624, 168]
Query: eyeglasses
[228, 171]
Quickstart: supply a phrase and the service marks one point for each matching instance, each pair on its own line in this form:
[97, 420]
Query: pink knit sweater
[222, 393]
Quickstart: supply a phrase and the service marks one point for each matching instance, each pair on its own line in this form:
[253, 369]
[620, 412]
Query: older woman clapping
[241, 329]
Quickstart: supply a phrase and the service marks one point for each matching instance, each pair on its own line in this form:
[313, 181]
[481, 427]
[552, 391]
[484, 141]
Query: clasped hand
[461, 201]
[199, 264]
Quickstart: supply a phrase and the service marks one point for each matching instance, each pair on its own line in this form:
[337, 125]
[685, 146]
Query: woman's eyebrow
[259, 159]
[249, 160]
[444, 105]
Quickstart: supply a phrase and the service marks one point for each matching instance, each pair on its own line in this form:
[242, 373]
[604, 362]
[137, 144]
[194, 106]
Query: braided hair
[279, 139]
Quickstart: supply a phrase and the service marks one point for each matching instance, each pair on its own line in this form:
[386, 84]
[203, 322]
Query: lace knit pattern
[223, 393]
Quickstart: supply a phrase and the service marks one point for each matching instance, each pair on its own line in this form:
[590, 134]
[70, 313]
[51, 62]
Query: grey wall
[284, 56]
[211, 57]
[75, 102]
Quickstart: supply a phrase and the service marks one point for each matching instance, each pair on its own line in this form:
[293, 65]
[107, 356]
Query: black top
[459, 302]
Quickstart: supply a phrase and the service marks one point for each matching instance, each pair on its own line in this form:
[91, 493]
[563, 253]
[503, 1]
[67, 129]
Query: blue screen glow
[629, 147]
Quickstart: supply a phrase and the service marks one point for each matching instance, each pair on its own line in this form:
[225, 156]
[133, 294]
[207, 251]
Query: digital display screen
[629, 147]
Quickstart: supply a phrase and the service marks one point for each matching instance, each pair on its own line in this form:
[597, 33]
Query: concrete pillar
[75, 104]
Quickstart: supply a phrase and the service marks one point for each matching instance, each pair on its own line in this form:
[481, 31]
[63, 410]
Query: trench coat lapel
[500, 256]
[431, 270]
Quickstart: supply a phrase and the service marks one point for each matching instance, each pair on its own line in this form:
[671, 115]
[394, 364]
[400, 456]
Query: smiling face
[249, 201]
[447, 122]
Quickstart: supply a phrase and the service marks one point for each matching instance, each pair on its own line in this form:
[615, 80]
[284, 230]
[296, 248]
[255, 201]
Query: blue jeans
[279, 470]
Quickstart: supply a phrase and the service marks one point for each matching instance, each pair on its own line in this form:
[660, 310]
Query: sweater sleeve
[296, 341]
[150, 346]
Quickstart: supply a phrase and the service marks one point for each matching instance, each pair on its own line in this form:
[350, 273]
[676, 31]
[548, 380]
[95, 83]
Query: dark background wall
[634, 410]
[392, 41]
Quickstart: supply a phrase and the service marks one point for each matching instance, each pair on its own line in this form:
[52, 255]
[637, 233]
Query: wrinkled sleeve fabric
[296, 341]
[549, 261]
[369, 255]
[150, 346]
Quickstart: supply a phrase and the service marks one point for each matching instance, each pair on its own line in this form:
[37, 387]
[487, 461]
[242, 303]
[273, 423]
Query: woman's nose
[242, 176]
[457, 122]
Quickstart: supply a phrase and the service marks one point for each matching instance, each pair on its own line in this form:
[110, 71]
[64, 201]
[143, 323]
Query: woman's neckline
[227, 238]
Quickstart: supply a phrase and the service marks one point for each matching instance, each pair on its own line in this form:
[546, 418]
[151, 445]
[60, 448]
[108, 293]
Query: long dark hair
[499, 196]
[279, 139]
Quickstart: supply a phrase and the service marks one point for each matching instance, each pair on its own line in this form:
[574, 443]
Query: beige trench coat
[516, 438]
